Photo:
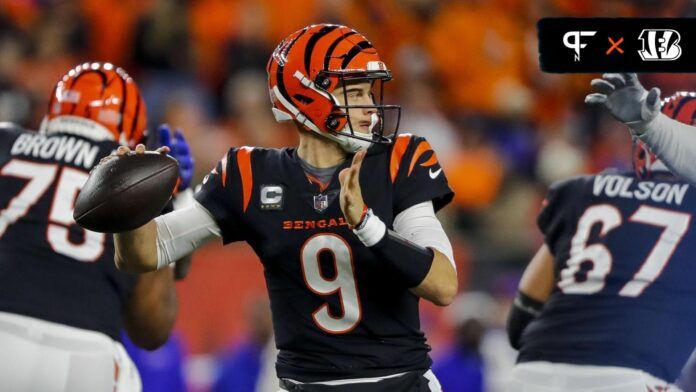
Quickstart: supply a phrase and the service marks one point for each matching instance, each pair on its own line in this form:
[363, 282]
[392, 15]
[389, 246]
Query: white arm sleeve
[180, 232]
[419, 224]
[673, 142]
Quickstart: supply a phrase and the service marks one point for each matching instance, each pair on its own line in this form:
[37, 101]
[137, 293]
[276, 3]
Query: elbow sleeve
[180, 232]
[524, 310]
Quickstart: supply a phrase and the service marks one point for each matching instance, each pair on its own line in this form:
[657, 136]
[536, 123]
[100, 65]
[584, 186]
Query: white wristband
[372, 231]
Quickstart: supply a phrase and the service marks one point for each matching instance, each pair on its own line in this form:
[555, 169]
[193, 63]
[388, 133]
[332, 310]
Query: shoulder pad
[10, 127]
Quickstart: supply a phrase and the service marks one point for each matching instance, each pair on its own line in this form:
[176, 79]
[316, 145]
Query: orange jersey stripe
[223, 163]
[244, 164]
[422, 148]
[398, 152]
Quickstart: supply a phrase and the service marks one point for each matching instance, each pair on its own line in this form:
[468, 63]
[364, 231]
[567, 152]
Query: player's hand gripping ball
[126, 190]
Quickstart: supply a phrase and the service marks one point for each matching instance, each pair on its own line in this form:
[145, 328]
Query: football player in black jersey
[344, 223]
[607, 303]
[63, 303]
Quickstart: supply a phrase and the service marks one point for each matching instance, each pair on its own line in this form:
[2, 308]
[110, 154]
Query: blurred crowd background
[467, 76]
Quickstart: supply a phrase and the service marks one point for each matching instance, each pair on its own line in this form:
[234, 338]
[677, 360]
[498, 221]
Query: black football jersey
[50, 268]
[625, 291]
[337, 312]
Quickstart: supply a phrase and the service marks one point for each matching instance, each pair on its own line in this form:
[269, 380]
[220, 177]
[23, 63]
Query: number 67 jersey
[337, 311]
[625, 266]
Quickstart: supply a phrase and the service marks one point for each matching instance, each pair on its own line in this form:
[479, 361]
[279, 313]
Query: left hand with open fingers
[351, 199]
[625, 98]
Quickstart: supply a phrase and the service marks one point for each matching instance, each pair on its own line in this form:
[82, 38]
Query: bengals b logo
[660, 45]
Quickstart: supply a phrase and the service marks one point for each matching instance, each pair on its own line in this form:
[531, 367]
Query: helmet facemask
[385, 119]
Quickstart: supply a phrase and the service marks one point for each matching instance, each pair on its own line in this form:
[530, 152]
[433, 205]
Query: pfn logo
[660, 45]
[575, 43]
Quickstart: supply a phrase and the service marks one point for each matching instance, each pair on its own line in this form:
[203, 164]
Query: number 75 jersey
[51, 268]
[337, 311]
[625, 266]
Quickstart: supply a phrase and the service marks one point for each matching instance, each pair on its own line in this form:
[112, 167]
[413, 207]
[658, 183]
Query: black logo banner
[617, 44]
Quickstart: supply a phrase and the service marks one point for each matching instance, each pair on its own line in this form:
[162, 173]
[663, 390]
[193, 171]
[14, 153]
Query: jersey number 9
[343, 283]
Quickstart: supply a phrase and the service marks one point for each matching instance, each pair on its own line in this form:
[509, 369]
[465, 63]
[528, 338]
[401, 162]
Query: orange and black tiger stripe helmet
[681, 107]
[310, 64]
[104, 94]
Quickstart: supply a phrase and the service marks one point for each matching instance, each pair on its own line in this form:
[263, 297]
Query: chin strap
[351, 144]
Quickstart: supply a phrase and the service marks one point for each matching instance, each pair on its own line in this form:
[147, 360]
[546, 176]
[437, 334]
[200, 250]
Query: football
[124, 192]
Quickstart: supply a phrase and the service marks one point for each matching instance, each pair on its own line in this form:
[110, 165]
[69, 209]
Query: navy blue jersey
[50, 268]
[625, 266]
[337, 312]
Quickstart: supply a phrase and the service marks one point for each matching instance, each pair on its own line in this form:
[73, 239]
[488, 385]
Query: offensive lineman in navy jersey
[607, 302]
[346, 233]
[62, 301]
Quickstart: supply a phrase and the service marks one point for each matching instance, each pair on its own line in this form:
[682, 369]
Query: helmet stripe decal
[74, 82]
[680, 107]
[281, 83]
[312, 42]
[354, 51]
[103, 78]
[289, 47]
[329, 53]
[124, 85]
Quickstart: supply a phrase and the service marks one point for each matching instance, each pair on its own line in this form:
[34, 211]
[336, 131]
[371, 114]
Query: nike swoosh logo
[434, 174]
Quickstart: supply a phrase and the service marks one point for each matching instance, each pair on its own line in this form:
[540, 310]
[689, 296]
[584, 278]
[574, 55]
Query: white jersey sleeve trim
[180, 232]
[419, 224]
[673, 142]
